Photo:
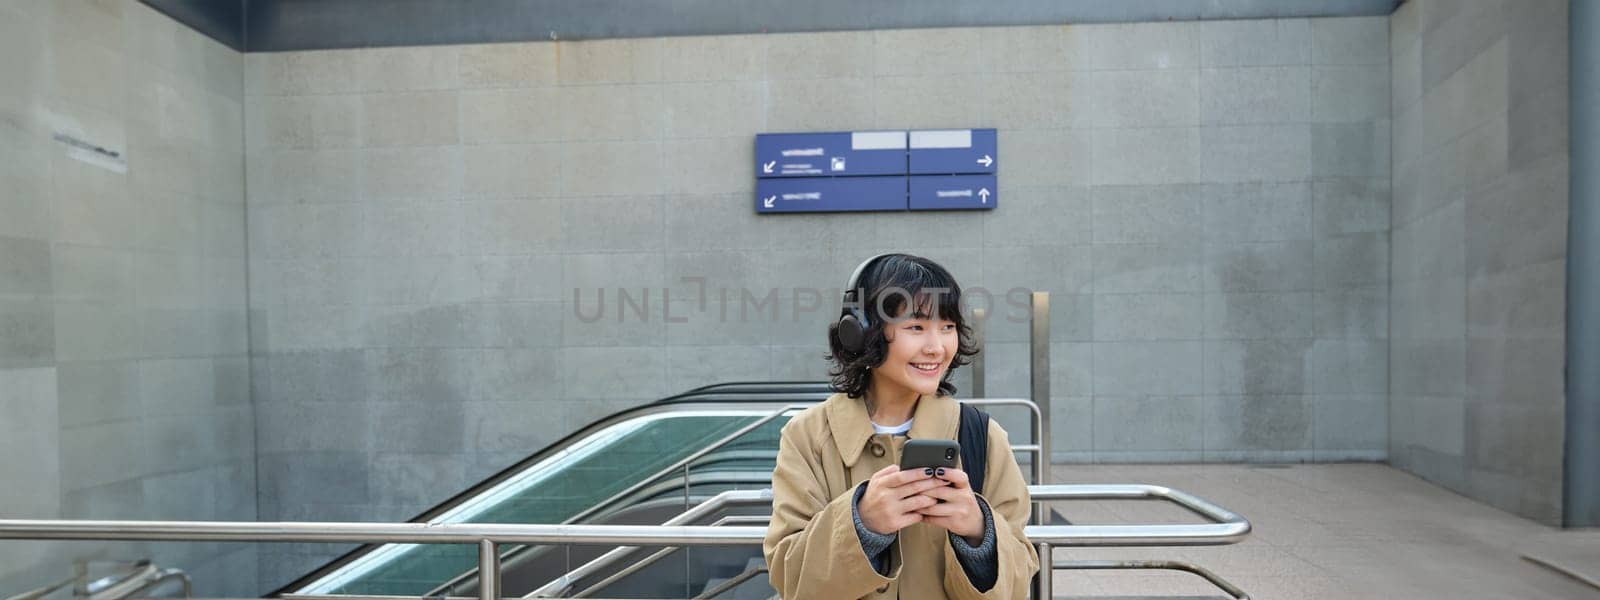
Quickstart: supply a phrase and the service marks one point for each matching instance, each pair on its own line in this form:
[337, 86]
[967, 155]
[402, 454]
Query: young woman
[846, 521]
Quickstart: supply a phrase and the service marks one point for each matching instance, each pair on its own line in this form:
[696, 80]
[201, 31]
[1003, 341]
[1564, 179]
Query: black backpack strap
[973, 436]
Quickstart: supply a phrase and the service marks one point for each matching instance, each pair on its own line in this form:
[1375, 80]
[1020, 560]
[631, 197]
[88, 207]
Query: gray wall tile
[506, 65]
[1261, 267]
[1040, 99]
[1172, 45]
[1123, 368]
[1257, 423]
[617, 112]
[1148, 423]
[838, 104]
[1260, 367]
[1274, 315]
[1353, 150]
[609, 61]
[1041, 216]
[1350, 40]
[1138, 268]
[1153, 98]
[411, 119]
[1147, 214]
[27, 268]
[1256, 153]
[1051, 157]
[1236, 96]
[1120, 317]
[511, 171]
[1255, 42]
[1350, 93]
[1147, 156]
[1257, 212]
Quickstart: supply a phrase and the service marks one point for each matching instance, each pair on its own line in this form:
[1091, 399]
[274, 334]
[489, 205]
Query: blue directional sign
[830, 154]
[953, 152]
[830, 194]
[953, 192]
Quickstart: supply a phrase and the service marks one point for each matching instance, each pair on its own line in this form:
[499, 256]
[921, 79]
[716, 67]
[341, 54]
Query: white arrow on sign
[986, 160]
[983, 194]
[767, 167]
[767, 203]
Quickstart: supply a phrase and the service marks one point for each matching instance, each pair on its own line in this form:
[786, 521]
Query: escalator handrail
[713, 394]
[680, 464]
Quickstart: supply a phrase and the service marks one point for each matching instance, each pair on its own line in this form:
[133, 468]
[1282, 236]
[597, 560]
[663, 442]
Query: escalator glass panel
[555, 490]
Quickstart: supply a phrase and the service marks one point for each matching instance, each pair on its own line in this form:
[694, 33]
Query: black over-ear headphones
[853, 320]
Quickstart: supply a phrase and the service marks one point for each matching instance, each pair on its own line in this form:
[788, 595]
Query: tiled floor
[1345, 532]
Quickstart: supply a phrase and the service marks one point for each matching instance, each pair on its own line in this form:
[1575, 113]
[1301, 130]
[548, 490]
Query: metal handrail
[700, 511]
[682, 464]
[1230, 528]
[1038, 462]
[712, 397]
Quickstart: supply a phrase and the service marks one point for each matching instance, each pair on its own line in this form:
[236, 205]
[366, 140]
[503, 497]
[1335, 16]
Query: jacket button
[883, 589]
[877, 450]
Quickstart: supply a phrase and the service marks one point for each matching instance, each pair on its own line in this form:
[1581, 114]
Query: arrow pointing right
[986, 160]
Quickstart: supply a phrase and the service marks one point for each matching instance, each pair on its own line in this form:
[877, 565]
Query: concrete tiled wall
[1207, 202]
[1479, 266]
[124, 380]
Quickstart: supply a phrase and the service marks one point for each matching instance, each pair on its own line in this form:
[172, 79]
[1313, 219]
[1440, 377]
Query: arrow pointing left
[767, 203]
[767, 167]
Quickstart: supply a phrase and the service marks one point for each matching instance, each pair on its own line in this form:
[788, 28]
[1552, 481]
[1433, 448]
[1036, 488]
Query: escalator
[625, 469]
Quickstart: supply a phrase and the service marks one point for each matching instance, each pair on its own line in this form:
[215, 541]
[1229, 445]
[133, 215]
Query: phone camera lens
[949, 453]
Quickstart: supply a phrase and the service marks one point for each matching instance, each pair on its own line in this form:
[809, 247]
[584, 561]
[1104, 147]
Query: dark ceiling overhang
[282, 25]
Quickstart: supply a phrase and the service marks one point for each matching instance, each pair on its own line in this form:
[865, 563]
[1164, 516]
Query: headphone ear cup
[851, 334]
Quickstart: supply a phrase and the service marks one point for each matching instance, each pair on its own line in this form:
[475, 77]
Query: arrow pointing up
[986, 160]
[767, 167]
[767, 203]
[983, 195]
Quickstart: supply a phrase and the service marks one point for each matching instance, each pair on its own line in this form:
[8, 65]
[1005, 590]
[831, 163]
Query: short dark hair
[889, 284]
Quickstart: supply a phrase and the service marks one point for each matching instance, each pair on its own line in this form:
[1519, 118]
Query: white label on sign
[946, 138]
[877, 140]
[967, 193]
[803, 152]
[803, 196]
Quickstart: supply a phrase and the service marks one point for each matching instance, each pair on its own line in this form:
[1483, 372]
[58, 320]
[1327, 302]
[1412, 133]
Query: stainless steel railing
[1040, 466]
[1226, 528]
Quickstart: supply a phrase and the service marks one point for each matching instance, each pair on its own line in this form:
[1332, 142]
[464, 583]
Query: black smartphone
[921, 454]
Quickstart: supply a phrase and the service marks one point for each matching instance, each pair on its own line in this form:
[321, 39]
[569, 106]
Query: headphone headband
[855, 276]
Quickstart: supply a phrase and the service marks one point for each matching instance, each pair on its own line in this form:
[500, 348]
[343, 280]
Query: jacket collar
[936, 417]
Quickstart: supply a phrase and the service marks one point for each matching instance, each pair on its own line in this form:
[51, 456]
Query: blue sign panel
[830, 194]
[953, 192]
[830, 154]
[954, 152]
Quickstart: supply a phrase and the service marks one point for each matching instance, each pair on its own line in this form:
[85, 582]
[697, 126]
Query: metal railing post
[1046, 574]
[978, 328]
[488, 570]
[1039, 388]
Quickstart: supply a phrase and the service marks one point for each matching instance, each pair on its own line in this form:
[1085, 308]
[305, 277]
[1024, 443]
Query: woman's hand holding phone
[895, 499]
[959, 513]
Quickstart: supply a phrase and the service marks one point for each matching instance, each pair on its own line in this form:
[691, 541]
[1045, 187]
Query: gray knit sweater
[980, 562]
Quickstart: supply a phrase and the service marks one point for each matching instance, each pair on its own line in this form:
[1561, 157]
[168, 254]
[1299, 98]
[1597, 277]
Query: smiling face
[920, 349]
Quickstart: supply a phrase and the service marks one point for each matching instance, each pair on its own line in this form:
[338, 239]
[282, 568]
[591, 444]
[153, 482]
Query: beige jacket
[812, 549]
